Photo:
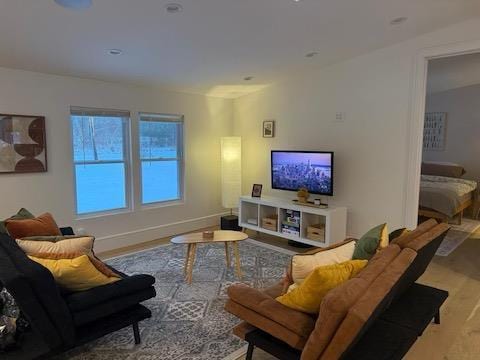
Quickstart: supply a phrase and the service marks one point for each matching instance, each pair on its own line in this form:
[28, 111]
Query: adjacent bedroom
[450, 169]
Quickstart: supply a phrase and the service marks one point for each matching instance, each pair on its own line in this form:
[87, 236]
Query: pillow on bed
[443, 169]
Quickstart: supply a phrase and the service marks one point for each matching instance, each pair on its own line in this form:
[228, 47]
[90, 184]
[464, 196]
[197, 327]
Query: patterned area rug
[188, 321]
[457, 235]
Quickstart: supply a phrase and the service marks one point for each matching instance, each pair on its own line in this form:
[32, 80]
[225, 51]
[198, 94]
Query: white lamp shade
[231, 152]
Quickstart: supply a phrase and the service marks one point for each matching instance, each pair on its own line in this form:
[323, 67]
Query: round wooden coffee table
[225, 236]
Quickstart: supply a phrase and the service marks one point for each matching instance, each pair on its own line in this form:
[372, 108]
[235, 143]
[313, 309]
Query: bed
[445, 197]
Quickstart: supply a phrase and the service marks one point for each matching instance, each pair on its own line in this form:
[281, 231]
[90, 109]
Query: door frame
[417, 118]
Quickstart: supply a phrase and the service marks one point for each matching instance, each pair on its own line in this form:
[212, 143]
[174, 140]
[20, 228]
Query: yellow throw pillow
[65, 249]
[308, 296]
[76, 274]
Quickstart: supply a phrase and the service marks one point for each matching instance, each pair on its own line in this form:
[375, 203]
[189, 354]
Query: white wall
[371, 145]
[206, 120]
[462, 145]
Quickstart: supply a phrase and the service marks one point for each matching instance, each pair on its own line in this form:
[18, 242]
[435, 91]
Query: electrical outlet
[340, 116]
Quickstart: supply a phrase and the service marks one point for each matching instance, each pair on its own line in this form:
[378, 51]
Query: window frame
[125, 115]
[163, 118]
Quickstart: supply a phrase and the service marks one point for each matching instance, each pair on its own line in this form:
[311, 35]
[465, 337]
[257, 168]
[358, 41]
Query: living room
[343, 77]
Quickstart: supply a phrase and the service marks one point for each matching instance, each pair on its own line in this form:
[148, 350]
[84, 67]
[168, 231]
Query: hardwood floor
[457, 337]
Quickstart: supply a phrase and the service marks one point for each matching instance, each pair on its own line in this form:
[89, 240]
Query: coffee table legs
[238, 269]
[189, 262]
[227, 254]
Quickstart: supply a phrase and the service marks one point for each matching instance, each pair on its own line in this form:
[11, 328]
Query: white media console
[333, 218]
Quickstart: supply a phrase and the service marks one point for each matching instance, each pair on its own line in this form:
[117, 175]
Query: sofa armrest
[68, 230]
[266, 306]
[334, 246]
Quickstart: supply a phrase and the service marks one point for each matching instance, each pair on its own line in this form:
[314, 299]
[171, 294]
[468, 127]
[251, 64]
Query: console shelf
[333, 219]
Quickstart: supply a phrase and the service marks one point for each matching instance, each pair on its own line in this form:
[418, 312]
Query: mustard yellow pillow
[76, 274]
[308, 296]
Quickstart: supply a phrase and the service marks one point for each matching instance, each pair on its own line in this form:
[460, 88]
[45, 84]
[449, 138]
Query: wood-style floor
[458, 336]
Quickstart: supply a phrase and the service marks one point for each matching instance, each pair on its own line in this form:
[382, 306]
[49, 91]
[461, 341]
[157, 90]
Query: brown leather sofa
[378, 314]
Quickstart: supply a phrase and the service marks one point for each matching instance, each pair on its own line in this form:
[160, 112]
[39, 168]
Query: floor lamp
[231, 156]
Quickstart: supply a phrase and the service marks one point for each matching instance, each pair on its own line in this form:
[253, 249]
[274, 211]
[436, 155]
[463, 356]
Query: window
[100, 157]
[161, 157]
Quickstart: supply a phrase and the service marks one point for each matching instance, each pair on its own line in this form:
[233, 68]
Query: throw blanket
[12, 322]
[446, 194]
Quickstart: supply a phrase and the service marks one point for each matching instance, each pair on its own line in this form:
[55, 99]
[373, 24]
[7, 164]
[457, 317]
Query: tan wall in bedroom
[462, 145]
[206, 120]
[371, 146]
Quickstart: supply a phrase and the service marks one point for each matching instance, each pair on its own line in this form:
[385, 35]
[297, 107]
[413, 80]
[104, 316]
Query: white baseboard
[116, 241]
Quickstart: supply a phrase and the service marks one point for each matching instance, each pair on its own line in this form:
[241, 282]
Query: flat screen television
[313, 170]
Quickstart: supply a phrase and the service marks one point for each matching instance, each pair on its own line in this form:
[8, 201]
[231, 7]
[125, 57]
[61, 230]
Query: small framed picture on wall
[268, 128]
[257, 190]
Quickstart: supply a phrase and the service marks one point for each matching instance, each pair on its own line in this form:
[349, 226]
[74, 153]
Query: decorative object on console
[257, 190]
[303, 195]
[231, 156]
[434, 134]
[269, 129]
[24, 147]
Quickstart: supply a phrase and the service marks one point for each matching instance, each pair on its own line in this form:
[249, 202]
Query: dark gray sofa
[60, 320]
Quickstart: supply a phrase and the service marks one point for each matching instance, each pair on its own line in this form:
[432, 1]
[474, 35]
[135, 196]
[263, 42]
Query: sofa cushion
[361, 315]
[21, 214]
[69, 248]
[404, 239]
[262, 304]
[307, 296]
[336, 304]
[112, 306]
[85, 299]
[78, 274]
[303, 265]
[374, 239]
[39, 226]
[421, 241]
[270, 326]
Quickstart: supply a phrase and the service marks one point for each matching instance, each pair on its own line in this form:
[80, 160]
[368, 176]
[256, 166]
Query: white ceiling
[453, 72]
[213, 44]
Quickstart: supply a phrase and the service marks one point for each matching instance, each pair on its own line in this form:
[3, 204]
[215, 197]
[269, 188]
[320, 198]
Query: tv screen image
[292, 170]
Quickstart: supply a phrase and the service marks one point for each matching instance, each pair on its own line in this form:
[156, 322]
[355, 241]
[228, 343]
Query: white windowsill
[97, 215]
[163, 204]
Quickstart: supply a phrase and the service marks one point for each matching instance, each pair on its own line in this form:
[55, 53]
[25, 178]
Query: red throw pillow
[44, 225]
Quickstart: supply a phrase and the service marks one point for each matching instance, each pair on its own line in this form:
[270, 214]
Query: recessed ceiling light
[311, 54]
[115, 51]
[248, 78]
[399, 20]
[75, 4]
[173, 8]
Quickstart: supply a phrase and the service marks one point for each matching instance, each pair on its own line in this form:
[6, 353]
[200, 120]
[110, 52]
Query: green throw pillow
[20, 215]
[369, 243]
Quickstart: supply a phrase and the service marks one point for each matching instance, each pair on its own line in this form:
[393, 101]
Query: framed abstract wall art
[23, 147]
[434, 131]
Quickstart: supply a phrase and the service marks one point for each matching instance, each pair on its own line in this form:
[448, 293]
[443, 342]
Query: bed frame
[430, 213]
